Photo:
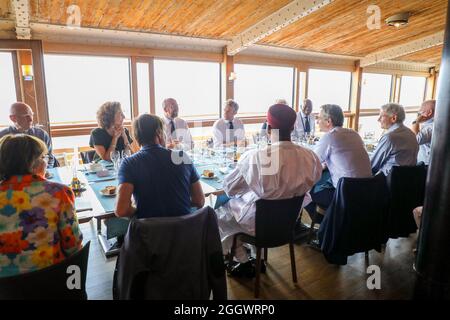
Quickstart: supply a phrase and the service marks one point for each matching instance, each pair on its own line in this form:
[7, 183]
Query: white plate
[205, 177]
[108, 194]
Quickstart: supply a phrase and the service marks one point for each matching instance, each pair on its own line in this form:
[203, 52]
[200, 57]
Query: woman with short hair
[111, 134]
[38, 224]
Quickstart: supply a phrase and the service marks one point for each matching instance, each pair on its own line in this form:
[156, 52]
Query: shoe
[241, 270]
[315, 244]
[262, 266]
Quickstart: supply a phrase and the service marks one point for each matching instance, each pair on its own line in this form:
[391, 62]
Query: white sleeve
[322, 148]
[217, 136]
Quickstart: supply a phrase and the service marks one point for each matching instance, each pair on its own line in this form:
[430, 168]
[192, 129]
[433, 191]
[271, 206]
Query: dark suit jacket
[175, 258]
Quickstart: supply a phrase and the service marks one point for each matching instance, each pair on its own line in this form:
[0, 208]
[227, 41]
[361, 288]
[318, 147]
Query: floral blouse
[38, 225]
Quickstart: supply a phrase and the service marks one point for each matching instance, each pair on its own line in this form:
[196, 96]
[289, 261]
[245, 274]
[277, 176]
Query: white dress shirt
[343, 152]
[181, 133]
[424, 140]
[222, 134]
[280, 171]
[300, 124]
[397, 147]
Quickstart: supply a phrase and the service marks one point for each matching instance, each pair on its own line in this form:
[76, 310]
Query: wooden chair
[274, 227]
[49, 283]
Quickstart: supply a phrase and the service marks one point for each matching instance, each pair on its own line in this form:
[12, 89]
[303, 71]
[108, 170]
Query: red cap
[281, 116]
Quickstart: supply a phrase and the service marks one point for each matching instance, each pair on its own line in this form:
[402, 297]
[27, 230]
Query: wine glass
[115, 157]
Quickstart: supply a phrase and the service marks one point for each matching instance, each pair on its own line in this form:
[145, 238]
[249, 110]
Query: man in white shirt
[341, 151]
[398, 145]
[229, 128]
[305, 120]
[282, 170]
[176, 129]
[423, 128]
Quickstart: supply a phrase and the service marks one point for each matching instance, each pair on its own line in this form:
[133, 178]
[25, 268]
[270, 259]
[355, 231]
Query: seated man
[398, 145]
[423, 128]
[282, 170]
[21, 116]
[341, 151]
[305, 120]
[176, 129]
[163, 183]
[229, 128]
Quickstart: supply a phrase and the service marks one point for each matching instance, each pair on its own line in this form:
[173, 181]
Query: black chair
[50, 283]
[274, 227]
[406, 186]
[87, 156]
[354, 221]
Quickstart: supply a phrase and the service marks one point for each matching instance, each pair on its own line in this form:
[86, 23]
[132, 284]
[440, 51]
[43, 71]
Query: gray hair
[233, 104]
[394, 109]
[334, 113]
[281, 101]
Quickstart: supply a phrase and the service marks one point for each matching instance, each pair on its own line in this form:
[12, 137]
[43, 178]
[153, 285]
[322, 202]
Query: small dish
[107, 191]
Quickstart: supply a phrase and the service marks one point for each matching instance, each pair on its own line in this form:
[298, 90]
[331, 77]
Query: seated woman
[111, 136]
[38, 225]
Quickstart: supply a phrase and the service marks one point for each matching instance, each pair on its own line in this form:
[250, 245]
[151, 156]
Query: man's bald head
[21, 115]
[307, 107]
[427, 109]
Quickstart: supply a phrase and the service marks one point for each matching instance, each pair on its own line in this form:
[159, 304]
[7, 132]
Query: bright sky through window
[78, 85]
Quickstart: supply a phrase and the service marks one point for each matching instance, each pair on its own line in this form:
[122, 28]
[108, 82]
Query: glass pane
[195, 86]
[84, 83]
[143, 86]
[257, 87]
[412, 91]
[375, 90]
[370, 126]
[329, 87]
[7, 87]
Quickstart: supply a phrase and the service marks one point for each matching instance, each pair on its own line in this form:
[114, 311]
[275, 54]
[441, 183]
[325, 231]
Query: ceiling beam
[280, 19]
[21, 10]
[403, 49]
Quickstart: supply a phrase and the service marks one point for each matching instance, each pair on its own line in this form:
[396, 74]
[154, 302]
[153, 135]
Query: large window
[195, 86]
[7, 87]
[258, 87]
[143, 87]
[329, 87]
[375, 90]
[412, 91]
[78, 85]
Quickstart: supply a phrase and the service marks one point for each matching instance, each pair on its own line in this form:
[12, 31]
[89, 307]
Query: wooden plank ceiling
[5, 9]
[341, 26]
[338, 28]
[221, 19]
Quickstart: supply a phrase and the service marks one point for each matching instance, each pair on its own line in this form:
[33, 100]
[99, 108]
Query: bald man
[21, 116]
[176, 129]
[423, 128]
[305, 120]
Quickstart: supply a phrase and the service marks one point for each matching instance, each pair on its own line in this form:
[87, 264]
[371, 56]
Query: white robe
[280, 171]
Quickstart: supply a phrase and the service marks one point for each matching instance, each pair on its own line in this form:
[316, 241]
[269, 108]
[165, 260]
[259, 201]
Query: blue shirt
[424, 140]
[38, 133]
[397, 147]
[342, 150]
[162, 181]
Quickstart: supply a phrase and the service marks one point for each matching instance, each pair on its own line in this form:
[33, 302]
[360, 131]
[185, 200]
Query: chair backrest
[87, 156]
[407, 191]
[354, 221]
[63, 281]
[171, 258]
[275, 221]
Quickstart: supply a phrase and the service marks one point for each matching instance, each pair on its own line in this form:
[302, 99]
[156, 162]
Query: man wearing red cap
[282, 170]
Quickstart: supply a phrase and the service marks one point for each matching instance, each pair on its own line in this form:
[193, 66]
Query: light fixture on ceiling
[398, 20]
[27, 72]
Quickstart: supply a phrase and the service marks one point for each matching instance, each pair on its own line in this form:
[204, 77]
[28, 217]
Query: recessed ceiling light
[398, 20]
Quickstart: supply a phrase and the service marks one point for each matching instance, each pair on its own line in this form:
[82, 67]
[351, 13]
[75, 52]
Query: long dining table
[91, 203]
